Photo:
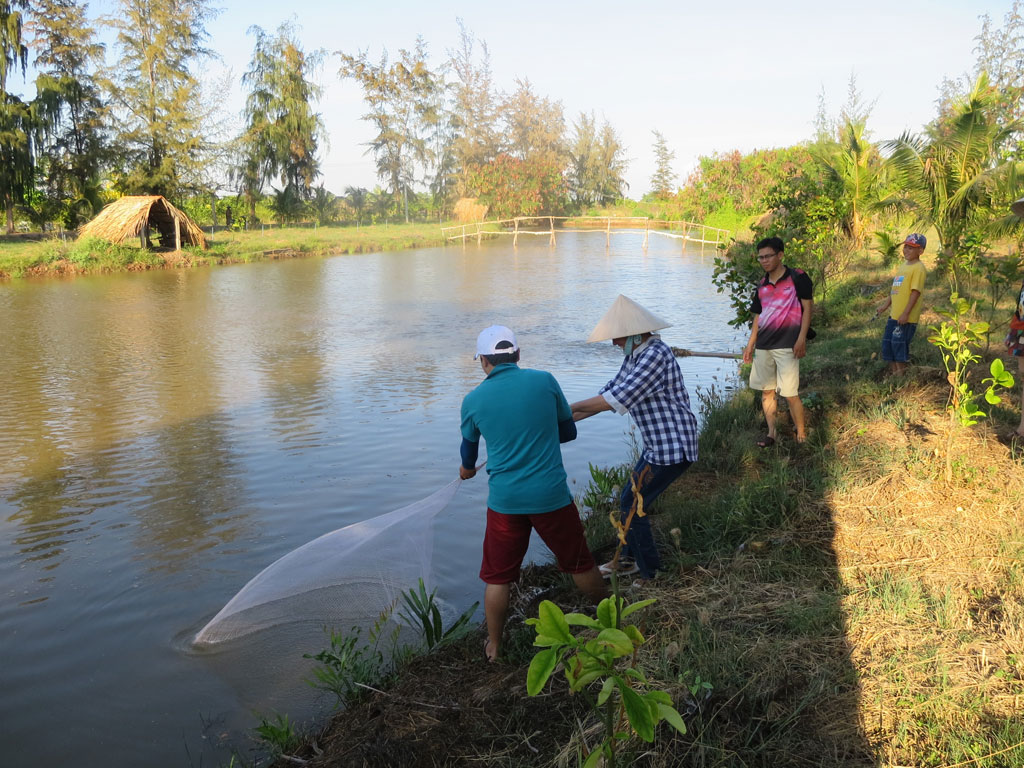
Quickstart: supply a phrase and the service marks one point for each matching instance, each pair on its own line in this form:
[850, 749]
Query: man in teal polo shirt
[523, 416]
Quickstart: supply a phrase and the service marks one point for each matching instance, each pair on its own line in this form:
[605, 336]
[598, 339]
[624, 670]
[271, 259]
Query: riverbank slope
[832, 604]
[33, 257]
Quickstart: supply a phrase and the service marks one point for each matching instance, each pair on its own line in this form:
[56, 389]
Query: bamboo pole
[177, 234]
[479, 237]
[680, 352]
[647, 231]
[551, 223]
[607, 233]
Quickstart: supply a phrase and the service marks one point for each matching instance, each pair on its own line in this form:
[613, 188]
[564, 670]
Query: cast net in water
[343, 580]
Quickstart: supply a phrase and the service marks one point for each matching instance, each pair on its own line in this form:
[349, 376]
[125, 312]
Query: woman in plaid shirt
[649, 387]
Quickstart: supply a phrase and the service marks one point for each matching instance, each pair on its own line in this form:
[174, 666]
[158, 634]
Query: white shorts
[777, 369]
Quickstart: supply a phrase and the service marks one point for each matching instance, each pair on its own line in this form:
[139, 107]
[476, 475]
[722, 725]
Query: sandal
[643, 581]
[766, 442]
[626, 567]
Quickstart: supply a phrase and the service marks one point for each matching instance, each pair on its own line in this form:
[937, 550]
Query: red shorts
[508, 536]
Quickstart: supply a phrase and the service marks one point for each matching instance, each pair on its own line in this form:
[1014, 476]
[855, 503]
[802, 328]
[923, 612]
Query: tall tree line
[16, 119]
[141, 127]
[450, 130]
[137, 126]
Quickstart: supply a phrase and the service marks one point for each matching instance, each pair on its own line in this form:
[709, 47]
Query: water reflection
[189, 500]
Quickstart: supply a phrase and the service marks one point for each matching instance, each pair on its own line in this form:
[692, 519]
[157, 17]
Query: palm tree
[356, 197]
[287, 204]
[381, 203]
[855, 165]
[324, 205]
[953, 178]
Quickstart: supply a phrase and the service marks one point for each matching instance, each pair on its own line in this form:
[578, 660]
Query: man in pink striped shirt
[778, 338]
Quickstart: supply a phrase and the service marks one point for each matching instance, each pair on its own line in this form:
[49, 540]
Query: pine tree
[17, 123]
[477, 138]
[534, 127]
[1000, 52]
[69, 107]
[282, 130]
[401, 98]
[156, 96]
[664, 176]
[597, 163]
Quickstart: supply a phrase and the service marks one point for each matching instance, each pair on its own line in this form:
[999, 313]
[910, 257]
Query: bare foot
[490, 651]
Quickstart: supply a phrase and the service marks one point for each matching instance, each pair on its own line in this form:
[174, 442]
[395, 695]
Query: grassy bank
[24, 258]
[833, 604]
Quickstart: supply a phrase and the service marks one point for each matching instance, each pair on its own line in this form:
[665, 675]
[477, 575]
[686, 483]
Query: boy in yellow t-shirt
[904, 304]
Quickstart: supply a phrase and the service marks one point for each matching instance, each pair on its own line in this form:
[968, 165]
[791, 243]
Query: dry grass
[934, 585]
[467, 211]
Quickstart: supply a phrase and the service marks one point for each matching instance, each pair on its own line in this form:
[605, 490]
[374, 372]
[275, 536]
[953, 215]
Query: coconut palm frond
[897, 203]
[1009, 225]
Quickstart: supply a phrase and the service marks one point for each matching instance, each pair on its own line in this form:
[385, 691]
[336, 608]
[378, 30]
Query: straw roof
[137, 215]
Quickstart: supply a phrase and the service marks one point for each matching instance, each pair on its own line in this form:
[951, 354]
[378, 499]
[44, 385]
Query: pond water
[166, 435]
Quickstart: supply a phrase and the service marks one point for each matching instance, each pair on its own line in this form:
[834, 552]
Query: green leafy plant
[606, 654]
[736, 274]
[604, 487]
[1000, 278]
[278, 734]
[1000, 378]
[347, 665]
[700, 689]
[957, 338]
[421, 610]
[888, 244]
[624, 702]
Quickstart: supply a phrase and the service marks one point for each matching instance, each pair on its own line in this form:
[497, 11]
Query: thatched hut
[139, 216]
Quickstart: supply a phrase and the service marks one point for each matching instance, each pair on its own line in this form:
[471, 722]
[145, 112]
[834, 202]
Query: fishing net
[343, 580]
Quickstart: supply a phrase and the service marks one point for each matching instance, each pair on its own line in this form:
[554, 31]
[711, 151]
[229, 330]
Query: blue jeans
[640, 539]
[896, 341]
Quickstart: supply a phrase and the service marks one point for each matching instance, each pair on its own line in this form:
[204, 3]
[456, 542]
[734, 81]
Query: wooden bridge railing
[687, 231]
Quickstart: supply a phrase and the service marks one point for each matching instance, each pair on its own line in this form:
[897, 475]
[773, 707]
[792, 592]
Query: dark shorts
[508, 537]
[896, 341]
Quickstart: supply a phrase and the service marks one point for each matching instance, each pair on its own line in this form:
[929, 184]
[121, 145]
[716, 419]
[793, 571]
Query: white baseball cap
[489, 338]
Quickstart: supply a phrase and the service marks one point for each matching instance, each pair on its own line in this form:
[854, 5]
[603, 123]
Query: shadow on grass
[749, 621]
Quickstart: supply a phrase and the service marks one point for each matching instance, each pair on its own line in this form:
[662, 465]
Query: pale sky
[711, 77]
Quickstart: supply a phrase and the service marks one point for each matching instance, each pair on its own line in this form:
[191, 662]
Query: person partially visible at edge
[1015, 346]
[1015, 337]
[904, 305]
[649, 387]
[523, 416]
[781, 308]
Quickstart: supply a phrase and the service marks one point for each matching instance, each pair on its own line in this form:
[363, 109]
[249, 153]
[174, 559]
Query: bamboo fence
[544, 226]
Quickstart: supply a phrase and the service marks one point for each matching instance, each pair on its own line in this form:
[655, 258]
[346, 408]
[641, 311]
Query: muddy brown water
[166, 435]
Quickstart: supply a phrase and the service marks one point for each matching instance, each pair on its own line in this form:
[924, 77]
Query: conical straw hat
[1018, 207]
[626, 318]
